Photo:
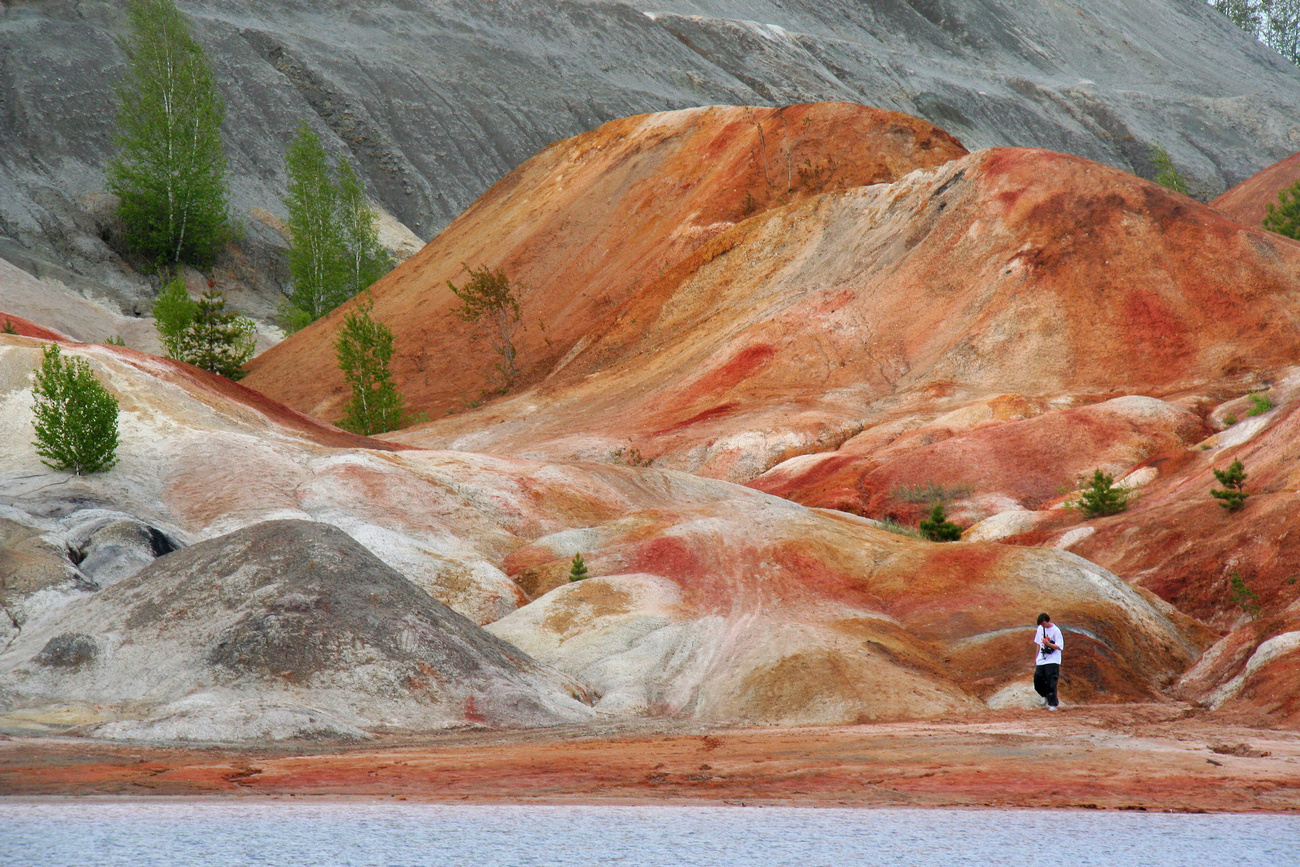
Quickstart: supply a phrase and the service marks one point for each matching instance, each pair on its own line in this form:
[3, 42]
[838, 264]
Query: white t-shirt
[1055, 656]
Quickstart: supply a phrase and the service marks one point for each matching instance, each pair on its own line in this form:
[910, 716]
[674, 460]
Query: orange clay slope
[1248, 201]
[588, 222]
[1007, 272]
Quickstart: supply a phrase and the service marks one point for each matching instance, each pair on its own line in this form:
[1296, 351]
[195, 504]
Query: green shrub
[892, 526]
[929, 493]
[1284, 217]
[1262, 404]
[938, 528]
[1230, 419]
[173, 312]
[1167, 174]
[1233, 479]
[9, 326]
[75, 416]
[1100, 496]
[578, 569]
[364, 348]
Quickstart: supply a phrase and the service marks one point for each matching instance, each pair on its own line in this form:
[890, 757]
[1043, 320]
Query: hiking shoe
[1052, 707]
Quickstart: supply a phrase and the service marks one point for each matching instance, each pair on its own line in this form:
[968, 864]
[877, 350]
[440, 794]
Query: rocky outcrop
[435, 103]
[286, 629]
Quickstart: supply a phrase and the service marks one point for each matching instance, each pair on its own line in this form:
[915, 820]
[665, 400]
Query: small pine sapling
[578, 569]
[1284, 217]
[1233, 479]
[75, 416]
[1242, 595]
[938, 528]
[9, 326]
[216, 340]
[1100, 497]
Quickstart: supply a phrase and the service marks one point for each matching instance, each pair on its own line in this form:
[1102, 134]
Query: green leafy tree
[170, 171]
[490, 298]
[938, 528]
[1100, 496]
[1276, 23]
[75, 416]
[1167, 174]
[1233, 479]
[216, 339]
[364, 348]
[365, 260]
[1284, 217]
[334, 251]
[578, 569]
[173, 313]
[1243, 13]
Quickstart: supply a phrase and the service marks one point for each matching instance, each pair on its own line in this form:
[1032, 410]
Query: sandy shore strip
[1156, 757]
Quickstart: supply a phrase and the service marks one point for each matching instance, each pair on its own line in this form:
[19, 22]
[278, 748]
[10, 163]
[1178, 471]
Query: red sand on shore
[1132, 757]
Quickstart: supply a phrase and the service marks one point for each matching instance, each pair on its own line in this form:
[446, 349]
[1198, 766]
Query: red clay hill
[1248, 201]
[590, 221]
[840, 323]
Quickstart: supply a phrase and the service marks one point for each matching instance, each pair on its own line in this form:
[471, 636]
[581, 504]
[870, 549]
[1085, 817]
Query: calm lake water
[206, 834]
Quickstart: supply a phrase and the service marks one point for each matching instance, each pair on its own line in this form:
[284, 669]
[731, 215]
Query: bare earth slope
[1248, 201]
[435, 101]
[285, 629]
[589, 222]
[710, 601]
[1005, 272]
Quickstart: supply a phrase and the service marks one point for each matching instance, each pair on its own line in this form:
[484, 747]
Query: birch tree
[364, 348]
[170, 171]
[334, 250]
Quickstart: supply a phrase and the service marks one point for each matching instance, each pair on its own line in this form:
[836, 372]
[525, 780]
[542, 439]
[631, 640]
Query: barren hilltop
[758, 346]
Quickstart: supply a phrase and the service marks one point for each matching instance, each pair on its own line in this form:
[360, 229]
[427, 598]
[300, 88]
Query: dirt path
[1144, 757]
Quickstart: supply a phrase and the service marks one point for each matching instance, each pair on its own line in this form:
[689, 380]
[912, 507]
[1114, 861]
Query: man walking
[1047, 668]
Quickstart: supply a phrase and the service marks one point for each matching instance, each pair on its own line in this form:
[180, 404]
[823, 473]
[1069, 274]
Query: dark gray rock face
[283, 629]
[434, 100]
[68, 650]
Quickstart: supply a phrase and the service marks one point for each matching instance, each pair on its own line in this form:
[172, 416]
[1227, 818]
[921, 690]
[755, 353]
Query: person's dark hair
[1044, 618]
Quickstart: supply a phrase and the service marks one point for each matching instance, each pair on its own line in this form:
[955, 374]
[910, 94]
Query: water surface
[207, 834]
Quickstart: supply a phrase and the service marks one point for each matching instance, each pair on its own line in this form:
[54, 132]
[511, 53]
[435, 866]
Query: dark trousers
[1045, 678]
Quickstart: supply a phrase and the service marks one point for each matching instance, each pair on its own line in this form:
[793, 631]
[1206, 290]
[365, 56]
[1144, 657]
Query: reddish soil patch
[591, 221]
[1248, 201]
[1129, 757]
